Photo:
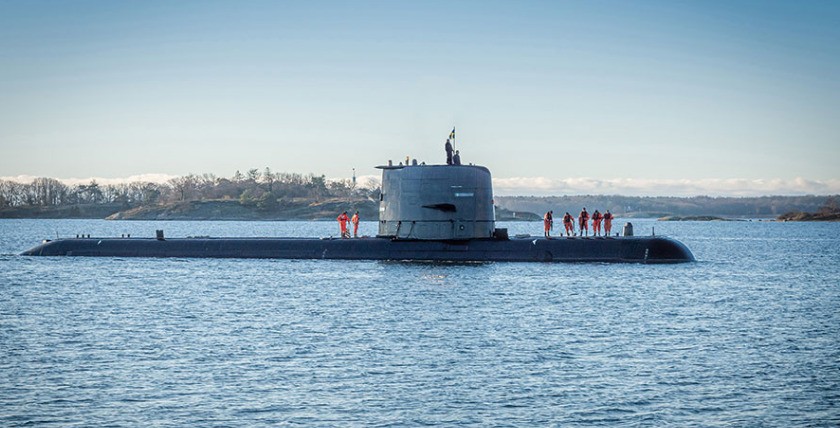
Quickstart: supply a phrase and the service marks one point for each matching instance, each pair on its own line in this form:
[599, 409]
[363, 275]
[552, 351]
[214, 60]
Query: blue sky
[648, 97]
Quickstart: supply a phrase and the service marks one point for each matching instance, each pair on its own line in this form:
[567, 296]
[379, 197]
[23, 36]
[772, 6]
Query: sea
[748, 335]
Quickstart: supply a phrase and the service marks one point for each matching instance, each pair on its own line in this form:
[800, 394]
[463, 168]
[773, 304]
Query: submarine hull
[561, 249]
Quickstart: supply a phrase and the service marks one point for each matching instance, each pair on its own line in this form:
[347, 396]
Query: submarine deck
[654, 249]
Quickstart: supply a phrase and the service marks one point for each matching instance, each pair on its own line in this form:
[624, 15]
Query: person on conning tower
[456, 160]
[448, 148]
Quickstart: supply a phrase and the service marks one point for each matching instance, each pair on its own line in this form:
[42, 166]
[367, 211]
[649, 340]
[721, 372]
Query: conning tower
[436, 202]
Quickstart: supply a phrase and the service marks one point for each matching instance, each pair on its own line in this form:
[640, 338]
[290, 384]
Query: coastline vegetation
[696, 208]
[266, 195]
[830, 211]
[260, 192]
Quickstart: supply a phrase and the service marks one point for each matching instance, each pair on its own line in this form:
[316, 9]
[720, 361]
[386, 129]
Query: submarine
[436, 213]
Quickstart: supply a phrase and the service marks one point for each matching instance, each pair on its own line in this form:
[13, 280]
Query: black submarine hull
[560, 249]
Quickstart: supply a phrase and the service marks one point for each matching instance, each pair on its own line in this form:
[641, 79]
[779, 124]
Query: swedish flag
[452, 134]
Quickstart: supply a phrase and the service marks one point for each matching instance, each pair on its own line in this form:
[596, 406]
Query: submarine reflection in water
[426, 213]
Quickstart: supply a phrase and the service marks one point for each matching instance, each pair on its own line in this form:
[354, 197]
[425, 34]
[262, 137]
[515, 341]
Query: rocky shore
[818, 216]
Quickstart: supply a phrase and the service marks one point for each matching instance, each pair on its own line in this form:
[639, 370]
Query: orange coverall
[342, 223]
[567, 223]
[596, 223]
[547, 222]
[355, 221]
[583, 222]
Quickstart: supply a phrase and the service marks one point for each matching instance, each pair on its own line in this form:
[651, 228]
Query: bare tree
[88, 193]
[48, 191]
[184, 187]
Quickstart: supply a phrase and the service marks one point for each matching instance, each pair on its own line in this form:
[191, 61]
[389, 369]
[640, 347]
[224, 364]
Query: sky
[672, 98]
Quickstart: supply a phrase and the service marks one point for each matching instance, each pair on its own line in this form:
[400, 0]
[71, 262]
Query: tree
[247, 198]
[340, 188]
[268, 179]
[88, 193]
[184, 187]
[267, 202]
[253, 175]
[318, 185]
[144, 193]
[12, 194]
[48, 191]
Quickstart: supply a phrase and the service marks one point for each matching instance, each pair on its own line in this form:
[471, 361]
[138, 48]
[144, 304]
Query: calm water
[747, 336]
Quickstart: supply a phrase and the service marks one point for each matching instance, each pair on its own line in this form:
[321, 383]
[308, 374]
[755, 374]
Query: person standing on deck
[448, 148]
[568, 223]
[596, 223]
[607, 223]
[548, 223]
[355, 221]
[342, 223]
[456, 160]
[583, 220]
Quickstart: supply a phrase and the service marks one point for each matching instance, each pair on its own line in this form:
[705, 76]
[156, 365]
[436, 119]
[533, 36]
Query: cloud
[541, 186]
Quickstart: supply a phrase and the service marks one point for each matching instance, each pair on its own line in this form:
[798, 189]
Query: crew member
[583, 220]
[548, 222]
[448, 148]
[342, 224]
[607, 223]
[596, 223]
[355, 221]
[568, 223]
[456, 160]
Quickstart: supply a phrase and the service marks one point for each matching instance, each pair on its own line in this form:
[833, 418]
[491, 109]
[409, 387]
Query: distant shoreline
[809, 217]
[507, 209]
[301, 210]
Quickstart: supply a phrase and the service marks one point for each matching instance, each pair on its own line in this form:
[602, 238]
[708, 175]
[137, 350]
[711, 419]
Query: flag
[452, 134]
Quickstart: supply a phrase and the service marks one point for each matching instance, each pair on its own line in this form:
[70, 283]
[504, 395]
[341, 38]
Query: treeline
[630, 206]
[252, 188]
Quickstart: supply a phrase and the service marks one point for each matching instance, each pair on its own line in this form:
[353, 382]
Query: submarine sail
[436, 202]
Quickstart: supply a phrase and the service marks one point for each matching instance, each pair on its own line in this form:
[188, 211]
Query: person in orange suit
[355, 221]
[342, 223]
[596, 223]
[583, 222]
[548, 222]
[607, 223]
[568, 223]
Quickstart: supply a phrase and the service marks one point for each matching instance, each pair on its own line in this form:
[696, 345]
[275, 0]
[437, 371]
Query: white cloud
[541, 186]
